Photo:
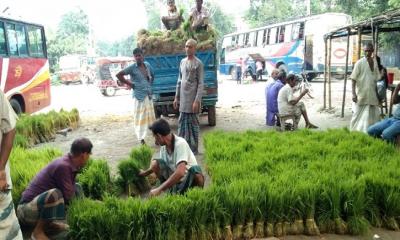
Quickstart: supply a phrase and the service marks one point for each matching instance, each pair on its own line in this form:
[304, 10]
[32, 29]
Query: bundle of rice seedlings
[95, 179]
[129, 180]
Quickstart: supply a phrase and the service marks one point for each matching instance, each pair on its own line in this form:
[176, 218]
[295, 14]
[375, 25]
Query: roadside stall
[372, 27]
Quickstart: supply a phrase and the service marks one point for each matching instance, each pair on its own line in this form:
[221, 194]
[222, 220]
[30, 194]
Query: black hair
[160, 126]
[278, 64]
[81, 145]
[281, 75]
[137, 51]
[291, 77]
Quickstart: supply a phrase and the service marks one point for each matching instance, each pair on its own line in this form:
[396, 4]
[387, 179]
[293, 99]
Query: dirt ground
[106, 121]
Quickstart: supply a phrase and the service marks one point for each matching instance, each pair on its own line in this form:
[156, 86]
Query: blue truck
[166, 70]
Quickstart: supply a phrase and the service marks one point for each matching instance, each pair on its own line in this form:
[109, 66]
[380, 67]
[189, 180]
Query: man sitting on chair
[290, 105]
[388, 128]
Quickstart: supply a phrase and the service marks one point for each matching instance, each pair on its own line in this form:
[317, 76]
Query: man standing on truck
[188, 95]
[141, 79]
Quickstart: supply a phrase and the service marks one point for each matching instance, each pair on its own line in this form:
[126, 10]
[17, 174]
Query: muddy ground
[106, 121]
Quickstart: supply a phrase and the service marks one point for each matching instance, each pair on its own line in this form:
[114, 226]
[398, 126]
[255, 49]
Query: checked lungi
[9, 226]
[189, 129]
[46, 206]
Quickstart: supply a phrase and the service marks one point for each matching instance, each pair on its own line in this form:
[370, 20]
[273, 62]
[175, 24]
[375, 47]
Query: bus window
[35, 41]
[3, 46]
[252, 39]
[273, 36]
[240, 40]
[260, 38]
[281, 37]
[246, 39]
[297, 31]
[268, 32]
[288, 32]
[17, 39]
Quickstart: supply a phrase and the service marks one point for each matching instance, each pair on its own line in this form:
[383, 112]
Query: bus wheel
[211, 116]
[16, 106]
[233, 73]
[110, 91]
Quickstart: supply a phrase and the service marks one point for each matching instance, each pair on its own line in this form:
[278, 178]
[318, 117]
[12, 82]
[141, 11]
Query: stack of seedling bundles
[173, 42]
[264, 184]
[40, 128]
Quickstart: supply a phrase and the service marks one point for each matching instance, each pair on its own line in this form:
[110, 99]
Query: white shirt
[366, 82]
[285, 95]
[181, 153]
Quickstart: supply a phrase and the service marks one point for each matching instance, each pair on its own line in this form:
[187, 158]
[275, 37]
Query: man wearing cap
[141, 78]
[365, 97]
[291, 105]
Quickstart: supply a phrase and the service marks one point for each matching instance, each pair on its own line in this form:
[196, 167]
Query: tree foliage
[122, 47]
[262, 12]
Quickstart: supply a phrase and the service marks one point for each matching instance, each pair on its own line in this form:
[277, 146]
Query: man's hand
[355, 99]
[176, 104]
[195, 106]
[155, 192]
[305, 91]
[3, 181]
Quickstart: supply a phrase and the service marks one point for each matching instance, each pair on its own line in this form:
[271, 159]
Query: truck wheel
[110, 91]
[16, 106]
[211, 116]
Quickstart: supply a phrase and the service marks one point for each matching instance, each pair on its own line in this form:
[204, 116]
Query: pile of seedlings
[173, 42]
[264, 184]
[40, 128]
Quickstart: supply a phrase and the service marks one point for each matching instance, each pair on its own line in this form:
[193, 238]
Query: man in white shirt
[290, 105]
[365, 97]
[171, 19]
[198, 16]
[176, 167]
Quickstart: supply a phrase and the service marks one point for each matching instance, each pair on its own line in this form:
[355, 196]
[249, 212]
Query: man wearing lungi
[9, 226]
[188, 95]
[365, 97]
[176, 167]
[44, 201]
[141, 79]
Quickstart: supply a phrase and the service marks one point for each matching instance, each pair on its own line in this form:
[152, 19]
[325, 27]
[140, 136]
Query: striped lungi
[9, 226]
[185, 184]
[189, 129]
[47, 206]
[143, 116]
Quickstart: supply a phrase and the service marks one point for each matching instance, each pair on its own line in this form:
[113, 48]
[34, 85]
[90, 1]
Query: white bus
[299, 44]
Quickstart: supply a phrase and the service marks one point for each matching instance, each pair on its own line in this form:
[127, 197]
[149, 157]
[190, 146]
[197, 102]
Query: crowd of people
[45, 200]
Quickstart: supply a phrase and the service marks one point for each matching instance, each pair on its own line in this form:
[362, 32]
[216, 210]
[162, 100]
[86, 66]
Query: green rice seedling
[25, 164]
[142, 155]
[355, 208]
[128, 176]
[95, 179]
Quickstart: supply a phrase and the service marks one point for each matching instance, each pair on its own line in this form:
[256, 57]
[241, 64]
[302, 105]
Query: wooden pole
[347, 69]
[359, 43]
[325, 69]
[329, 73]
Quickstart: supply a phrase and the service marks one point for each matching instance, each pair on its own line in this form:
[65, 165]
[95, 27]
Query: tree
[123, 47]
[72, 36]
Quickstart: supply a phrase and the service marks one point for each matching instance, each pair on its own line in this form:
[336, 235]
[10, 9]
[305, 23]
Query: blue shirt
[272, 96]
[142, 85]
